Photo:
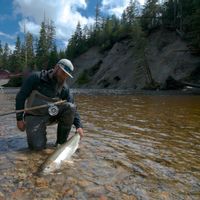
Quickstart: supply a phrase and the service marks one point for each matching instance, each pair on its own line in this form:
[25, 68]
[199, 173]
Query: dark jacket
[46, 85]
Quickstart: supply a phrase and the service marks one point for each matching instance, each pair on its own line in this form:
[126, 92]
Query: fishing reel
[53, 110]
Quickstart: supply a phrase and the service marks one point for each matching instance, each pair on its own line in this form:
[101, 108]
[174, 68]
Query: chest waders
[37, 120]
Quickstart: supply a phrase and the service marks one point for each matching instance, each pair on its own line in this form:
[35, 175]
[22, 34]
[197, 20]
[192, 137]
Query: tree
[29, 50]
[97, 17]
[5, 56]
[50, 35]
[45, 44]
[184, 17]
[151, 15]
[77, 43]
[130, 12]
[53, 58]
[17, 56]
[1, 55]
[42, 48]
[169, 14]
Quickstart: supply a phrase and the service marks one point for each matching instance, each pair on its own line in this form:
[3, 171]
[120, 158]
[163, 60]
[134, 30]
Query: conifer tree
[97, 17]
[30, 50]
[53, 58]
[42, 48]
[1, 56]
[5, 56]
[151, 14]
[17, 56]
[45, 44]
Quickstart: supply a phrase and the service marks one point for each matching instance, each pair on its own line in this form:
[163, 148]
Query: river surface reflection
[135, 147]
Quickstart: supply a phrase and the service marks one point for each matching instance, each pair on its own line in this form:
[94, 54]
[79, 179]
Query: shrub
[15, 81]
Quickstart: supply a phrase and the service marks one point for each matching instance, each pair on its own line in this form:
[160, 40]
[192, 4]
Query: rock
[20, 184]
[102, 198]
[1, 196]
[22, 158]
[68, 192]
[48, 151]
[41, 183]
[95, 191]
[22, 176]
[18, 194]
[83, 183]
[129, 197]
[110, 188]
[172, 84]
[164, 195]
[72, 181]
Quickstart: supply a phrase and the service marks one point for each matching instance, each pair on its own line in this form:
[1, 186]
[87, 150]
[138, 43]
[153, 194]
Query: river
[135, 147]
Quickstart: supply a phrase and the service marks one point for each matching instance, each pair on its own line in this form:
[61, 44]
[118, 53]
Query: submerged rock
[41, 183]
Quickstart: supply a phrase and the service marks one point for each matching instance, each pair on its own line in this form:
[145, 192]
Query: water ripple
[135, 147]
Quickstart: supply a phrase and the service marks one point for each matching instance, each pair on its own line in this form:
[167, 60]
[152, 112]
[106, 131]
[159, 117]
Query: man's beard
[59, 82]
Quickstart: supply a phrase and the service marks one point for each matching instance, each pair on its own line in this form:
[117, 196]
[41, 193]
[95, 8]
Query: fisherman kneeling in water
[47, 87]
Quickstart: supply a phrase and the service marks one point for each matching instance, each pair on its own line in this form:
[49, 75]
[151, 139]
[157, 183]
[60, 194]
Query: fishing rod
[52, 110]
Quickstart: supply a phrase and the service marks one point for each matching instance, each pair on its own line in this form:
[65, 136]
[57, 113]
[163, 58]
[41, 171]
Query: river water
[135, 147]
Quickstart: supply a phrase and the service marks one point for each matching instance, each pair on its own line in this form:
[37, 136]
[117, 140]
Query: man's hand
[21, 125]
[80, 131]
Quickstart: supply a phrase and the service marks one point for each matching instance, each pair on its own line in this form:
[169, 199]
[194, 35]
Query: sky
[17, 14]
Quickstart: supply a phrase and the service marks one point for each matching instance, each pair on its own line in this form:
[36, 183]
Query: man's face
[61, 76]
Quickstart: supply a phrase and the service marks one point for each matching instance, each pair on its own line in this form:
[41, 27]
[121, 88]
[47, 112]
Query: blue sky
[65, 14]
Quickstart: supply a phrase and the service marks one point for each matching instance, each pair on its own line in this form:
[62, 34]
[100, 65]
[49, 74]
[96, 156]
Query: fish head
[49, 168]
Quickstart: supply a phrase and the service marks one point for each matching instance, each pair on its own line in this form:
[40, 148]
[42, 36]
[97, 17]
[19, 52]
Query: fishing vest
[38, 99]
[44, 93]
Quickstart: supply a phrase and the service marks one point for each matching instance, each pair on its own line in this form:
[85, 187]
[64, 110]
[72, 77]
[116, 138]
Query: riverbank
[12, 90]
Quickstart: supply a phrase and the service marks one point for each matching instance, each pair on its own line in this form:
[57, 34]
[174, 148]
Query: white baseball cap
[66, 65]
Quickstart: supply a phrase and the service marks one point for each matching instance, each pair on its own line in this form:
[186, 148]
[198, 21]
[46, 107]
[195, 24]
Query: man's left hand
[80, 131]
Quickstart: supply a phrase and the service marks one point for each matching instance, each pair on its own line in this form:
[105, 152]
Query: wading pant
[36, 126]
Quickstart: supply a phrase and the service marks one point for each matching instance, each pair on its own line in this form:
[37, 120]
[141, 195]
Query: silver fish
[63, 153]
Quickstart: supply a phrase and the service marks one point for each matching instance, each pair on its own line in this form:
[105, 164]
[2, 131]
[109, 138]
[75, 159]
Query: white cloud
[11, 47]
[26, 25]
[142, 2]
[113, 7]
[64, 14]
[7, 35]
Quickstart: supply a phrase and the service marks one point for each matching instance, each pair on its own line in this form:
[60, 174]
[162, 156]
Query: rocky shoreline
[187, 91]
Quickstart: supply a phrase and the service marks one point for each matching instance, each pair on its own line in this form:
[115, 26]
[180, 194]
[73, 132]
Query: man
[46, 87]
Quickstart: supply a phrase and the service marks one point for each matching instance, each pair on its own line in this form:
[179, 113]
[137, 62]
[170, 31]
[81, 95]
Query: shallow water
[135, 147]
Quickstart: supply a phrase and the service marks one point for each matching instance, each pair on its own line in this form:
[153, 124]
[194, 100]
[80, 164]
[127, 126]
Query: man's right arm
[29, 84]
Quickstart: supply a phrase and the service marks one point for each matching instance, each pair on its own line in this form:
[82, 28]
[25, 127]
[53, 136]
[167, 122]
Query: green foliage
[183, 16]
[83, 78]
[53, 58]
[151, 15]
[152, 86]
[106, 31]
[87, 74]
[1, 54]
[17, 57]
[5, 56]
[30, 55]
[45, 45]
[14, 82]
[134, 24]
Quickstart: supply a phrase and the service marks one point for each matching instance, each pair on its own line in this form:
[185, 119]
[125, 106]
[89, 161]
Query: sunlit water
[135, 147]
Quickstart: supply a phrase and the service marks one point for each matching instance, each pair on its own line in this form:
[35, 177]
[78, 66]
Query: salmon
[63, 153]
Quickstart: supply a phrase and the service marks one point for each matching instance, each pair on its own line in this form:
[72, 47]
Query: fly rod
[53, 109]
